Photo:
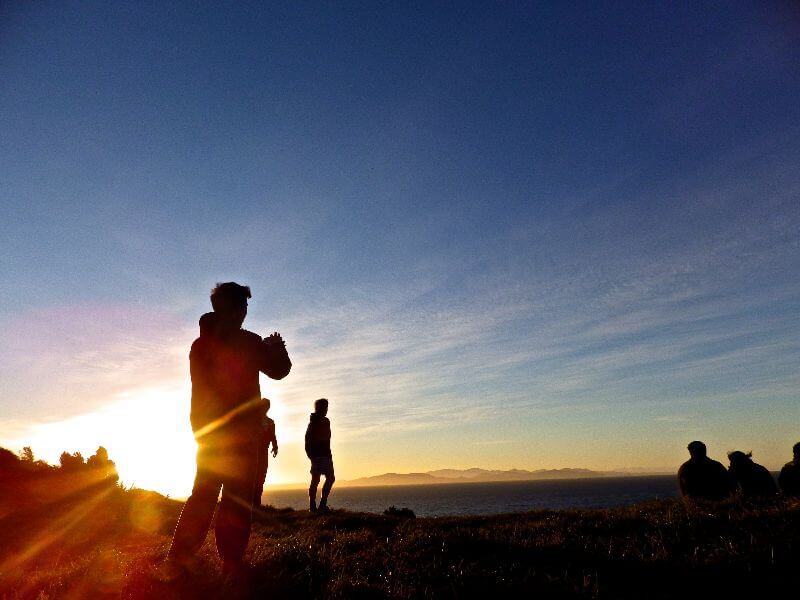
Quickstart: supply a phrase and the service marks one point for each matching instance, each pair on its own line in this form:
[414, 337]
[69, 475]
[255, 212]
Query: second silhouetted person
[701, 478]
[789, 479]
[318, 450]
[753, 480]
[268, 438]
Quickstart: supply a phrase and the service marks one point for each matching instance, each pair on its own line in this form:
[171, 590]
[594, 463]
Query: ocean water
[490, 498]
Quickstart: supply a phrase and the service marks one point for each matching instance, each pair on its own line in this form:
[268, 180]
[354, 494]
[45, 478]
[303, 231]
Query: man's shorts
[322, 465]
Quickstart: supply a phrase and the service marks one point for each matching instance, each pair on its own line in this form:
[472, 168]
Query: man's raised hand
[274, 338]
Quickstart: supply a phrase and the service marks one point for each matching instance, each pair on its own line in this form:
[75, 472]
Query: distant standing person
[753, 480]
[318, 450]
[224, 364]
[701, 478]
[789, 479]
[267, 439]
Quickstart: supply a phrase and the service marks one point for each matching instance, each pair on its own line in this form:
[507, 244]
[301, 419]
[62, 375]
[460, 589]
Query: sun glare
[146, 433]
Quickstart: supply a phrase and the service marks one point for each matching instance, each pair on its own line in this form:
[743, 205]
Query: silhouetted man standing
[318, 450]
[225, 362]
[268, 439]
[701, 478]
[789, 479]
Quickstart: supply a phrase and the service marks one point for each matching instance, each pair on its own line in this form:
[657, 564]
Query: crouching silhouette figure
[701, 478]
[753, 480]
[225, 362]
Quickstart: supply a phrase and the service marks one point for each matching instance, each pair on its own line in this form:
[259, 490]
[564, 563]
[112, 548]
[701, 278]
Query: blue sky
[505, 235]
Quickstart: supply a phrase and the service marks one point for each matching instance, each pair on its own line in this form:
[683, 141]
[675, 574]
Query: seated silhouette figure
[224, 364]
[754, 481]
[701, 478]
[789, 478]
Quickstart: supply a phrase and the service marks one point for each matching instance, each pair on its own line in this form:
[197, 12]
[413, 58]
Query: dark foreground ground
[106, 542]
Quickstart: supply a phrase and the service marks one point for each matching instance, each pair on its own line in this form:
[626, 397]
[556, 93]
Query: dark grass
[664, 549]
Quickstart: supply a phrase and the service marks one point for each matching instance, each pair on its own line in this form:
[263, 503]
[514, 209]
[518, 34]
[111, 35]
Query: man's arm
[309, 434]
[273, 439]
[783, 477]
[682, 481]
[730, 481]
[202, 408]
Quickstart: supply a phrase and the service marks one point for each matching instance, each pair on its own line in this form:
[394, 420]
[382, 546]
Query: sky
[503, 235]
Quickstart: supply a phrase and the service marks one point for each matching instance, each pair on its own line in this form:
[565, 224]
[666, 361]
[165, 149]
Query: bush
[405, 513]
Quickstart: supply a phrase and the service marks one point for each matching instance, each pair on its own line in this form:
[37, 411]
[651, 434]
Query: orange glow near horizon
[146, 433]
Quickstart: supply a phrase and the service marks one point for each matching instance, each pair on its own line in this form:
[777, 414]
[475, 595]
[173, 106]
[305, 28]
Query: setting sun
[145, 432]
[147, 435]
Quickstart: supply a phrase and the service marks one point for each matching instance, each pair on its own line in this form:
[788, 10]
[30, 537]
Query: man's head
[229, 301]
[321, 406]
[697, 449]
[739, 458]
[796, 451]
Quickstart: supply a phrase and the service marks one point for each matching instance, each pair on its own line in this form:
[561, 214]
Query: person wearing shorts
[318, 450]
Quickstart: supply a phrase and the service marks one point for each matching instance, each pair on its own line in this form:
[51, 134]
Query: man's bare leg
[312, 492]
[326, 490]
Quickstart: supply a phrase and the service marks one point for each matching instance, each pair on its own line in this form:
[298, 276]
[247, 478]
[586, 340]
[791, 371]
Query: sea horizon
[488, 498]
[355, 483]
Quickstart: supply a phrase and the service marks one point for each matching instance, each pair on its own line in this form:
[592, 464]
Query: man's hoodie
[318, 437]
[224, 367]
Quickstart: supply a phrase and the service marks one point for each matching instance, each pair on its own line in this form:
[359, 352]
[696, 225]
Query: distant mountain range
[476, 475]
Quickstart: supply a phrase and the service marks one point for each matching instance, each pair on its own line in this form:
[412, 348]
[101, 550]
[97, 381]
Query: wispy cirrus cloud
[712, 317]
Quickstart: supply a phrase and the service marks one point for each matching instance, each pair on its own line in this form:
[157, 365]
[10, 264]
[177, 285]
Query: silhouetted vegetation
[108, 541]
[405, 513]
[26, 482]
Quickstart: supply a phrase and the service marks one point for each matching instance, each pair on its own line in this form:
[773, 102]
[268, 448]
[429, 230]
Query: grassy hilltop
[105, 541]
